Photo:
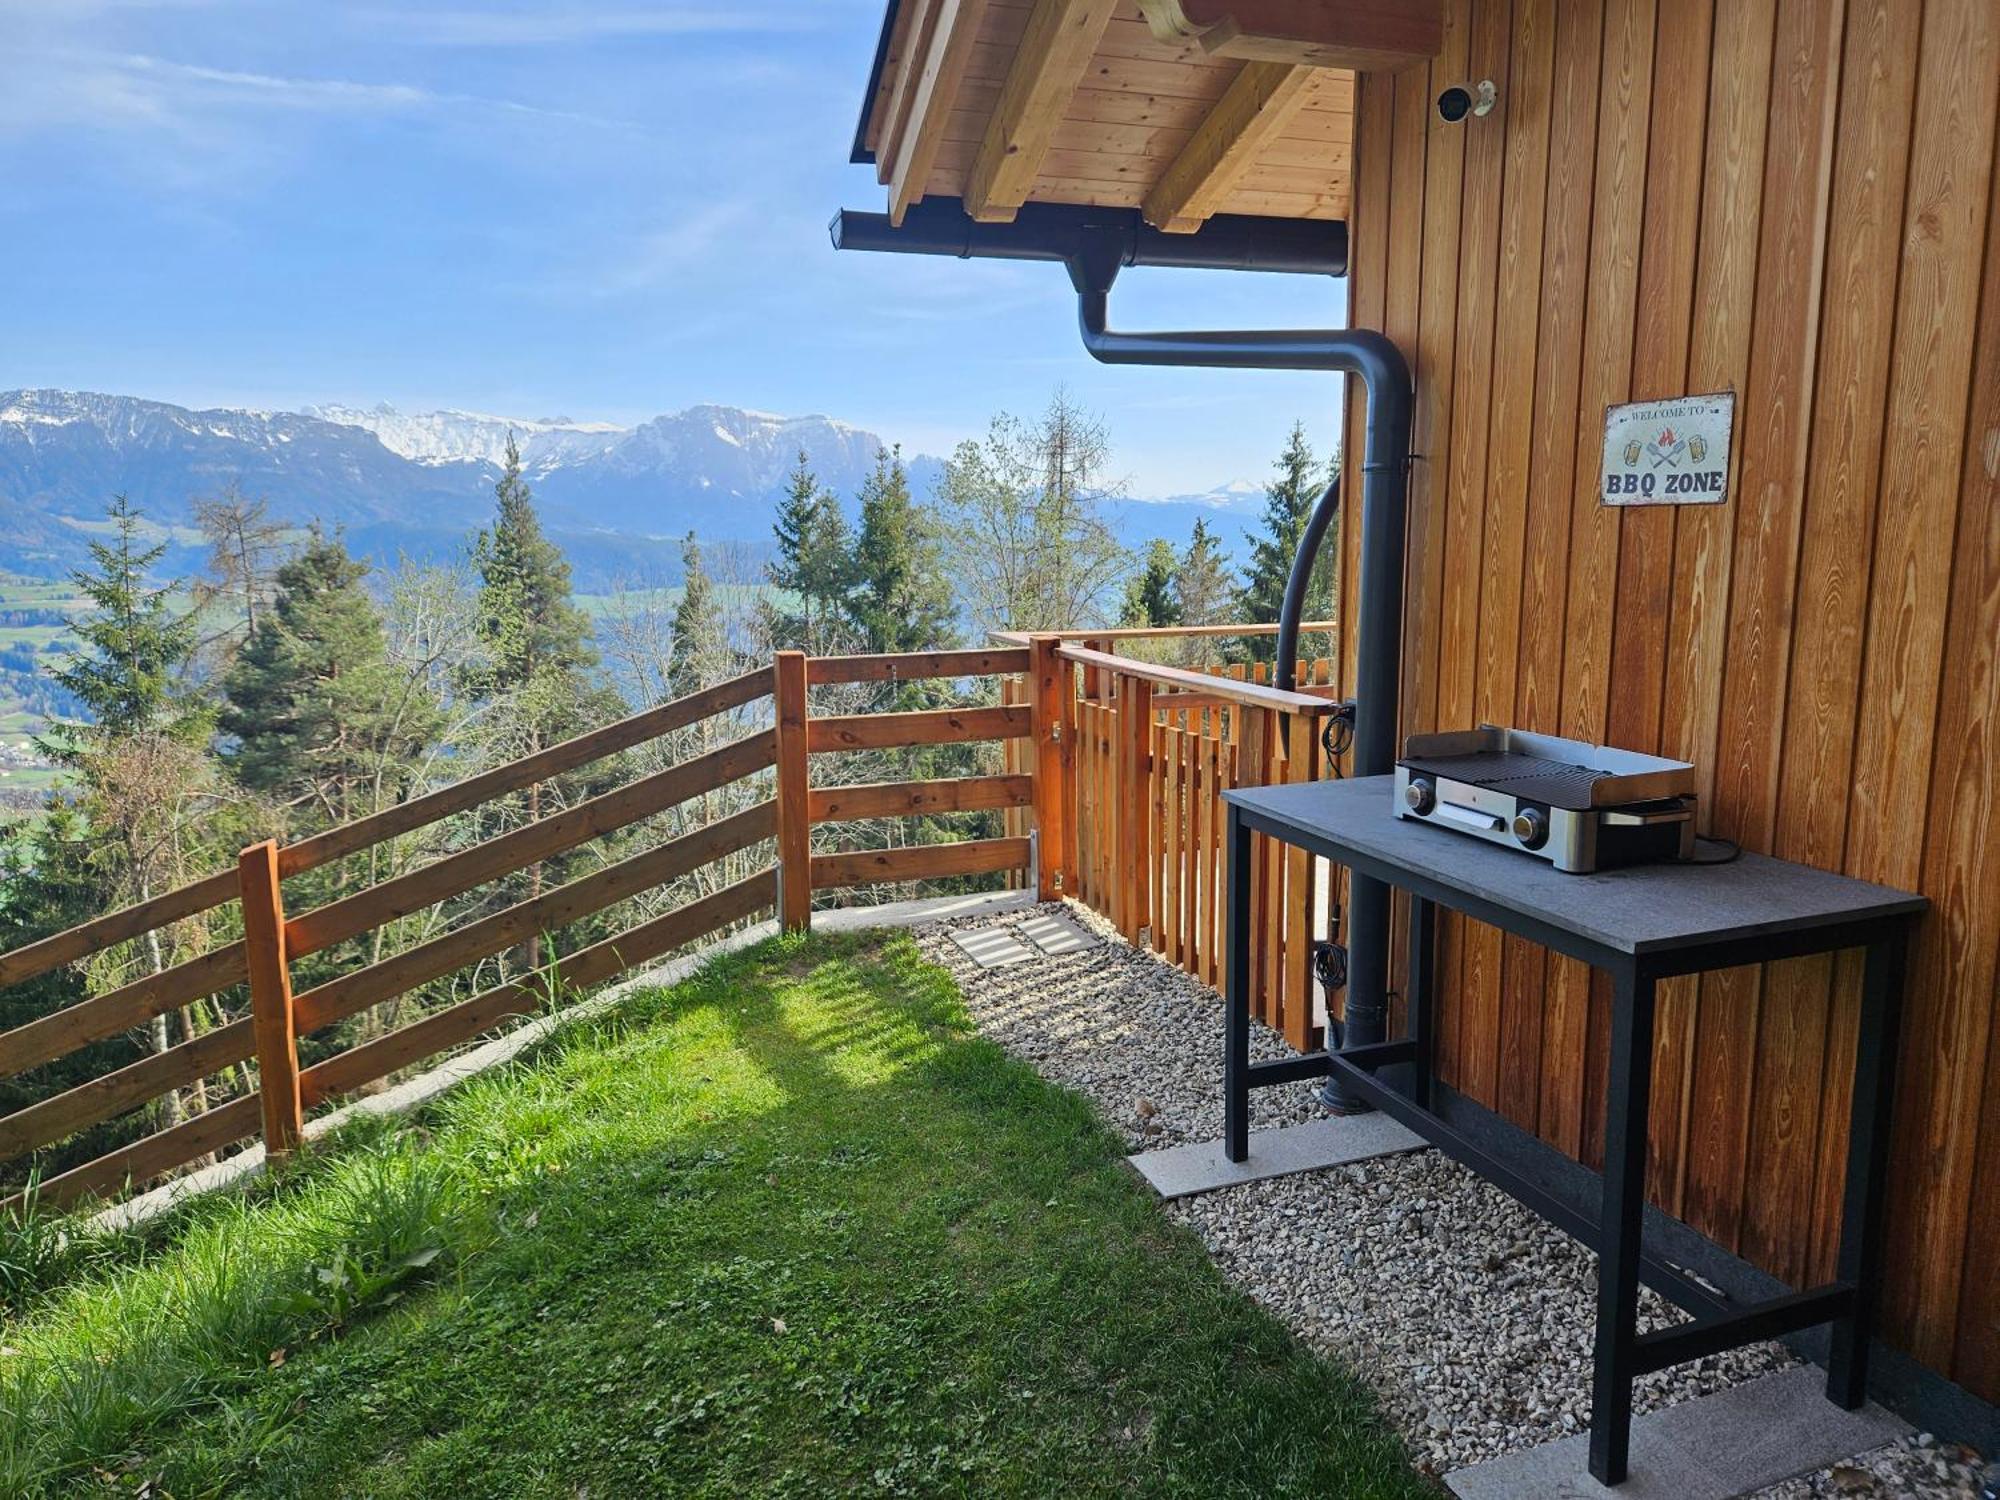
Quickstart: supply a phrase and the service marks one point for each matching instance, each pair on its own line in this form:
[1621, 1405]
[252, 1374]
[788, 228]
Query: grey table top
[1647, 909]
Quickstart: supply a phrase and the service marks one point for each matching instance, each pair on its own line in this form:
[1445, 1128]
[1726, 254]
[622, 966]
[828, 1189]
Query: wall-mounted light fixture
[1455, 103]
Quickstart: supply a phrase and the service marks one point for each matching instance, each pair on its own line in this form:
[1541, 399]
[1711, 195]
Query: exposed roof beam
[1366, 35]
[935, 75]
[1244, 120]
[1057, 46]
[902, 65]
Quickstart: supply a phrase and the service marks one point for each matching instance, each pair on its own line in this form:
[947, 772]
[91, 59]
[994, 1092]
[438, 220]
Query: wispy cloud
[72, 88]
[566, 25]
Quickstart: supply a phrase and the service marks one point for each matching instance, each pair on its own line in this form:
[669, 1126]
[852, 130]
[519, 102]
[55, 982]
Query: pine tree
[140, 771]
[901, 600]
[537, 666]
[1203, 584]
[1288, 503]
[813, 563]
[532, 631]
[700, 651]
[1151, 599]
[322, 719]
[135, 645]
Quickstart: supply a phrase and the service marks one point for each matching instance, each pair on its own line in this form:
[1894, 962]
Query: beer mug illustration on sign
[1698, 448]
[1631, 453]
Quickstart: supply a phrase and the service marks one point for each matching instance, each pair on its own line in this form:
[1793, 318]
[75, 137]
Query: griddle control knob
[1531, 827]
[1420, 796]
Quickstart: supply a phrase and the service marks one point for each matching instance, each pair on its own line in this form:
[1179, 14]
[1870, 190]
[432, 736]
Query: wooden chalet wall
[1793, 199]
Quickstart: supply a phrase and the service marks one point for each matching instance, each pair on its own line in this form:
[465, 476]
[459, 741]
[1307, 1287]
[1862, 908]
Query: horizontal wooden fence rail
[350, 994]
[930, 726]
[597, 744]
[454, 875]
[271, 944]
[899, 799]
[222, 887]
[919, 862]
[374, 1059]
[56, 1035]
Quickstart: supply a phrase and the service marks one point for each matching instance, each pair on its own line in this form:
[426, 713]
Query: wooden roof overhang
[1181, 109]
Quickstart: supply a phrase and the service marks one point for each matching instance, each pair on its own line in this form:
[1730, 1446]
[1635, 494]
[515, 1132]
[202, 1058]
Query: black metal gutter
[1094, 244]
[1065, 233]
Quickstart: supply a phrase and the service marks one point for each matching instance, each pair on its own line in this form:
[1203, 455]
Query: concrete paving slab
[1057, 933]
[1179, 1171]
[990, 947]
[1728, 1444]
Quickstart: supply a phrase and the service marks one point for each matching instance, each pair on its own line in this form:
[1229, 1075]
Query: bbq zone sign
[1667, 452]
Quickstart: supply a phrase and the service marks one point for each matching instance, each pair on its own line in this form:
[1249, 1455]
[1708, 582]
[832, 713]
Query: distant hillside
[616, 498]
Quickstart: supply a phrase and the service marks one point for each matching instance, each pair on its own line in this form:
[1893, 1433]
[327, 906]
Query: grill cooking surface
[1535, 778]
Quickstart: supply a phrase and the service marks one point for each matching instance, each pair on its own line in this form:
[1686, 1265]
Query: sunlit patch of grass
[790, 1227]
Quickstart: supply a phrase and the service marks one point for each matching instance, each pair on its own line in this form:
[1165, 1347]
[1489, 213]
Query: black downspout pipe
[1094, 243]
[1380, 366]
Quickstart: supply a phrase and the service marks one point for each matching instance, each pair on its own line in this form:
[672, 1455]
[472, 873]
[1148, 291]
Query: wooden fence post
[271, 997]
[794, 825]
[1054, 769]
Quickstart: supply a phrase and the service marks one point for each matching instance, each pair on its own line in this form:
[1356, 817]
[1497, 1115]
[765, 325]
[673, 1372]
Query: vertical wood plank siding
[1795, 200]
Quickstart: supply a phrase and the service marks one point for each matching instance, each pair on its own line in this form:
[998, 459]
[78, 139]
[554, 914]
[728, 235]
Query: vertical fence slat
[271, 997]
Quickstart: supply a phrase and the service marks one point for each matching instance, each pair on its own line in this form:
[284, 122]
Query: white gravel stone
[1470, 1316]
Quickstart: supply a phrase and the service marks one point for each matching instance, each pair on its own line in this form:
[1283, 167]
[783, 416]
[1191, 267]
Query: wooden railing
[1110, 786]
[1143, 753]
[273, 942]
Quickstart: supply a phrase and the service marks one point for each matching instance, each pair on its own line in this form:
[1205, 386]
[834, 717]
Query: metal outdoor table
[1639, 925]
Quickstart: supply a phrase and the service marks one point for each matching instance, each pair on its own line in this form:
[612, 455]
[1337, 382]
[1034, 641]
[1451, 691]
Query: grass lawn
[791, 1228]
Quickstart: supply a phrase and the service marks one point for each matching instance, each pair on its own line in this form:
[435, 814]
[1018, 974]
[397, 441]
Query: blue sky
[540, 208]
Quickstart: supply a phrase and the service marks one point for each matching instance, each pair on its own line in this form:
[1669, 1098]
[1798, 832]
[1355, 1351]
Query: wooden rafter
[1366, 35]
[921, 102]
[1055, 50]
[1248, 116]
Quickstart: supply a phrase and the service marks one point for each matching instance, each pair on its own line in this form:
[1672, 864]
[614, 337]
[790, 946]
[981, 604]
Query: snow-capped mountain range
[616, 497]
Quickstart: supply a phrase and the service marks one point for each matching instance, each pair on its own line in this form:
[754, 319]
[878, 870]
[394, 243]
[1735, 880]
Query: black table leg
[1867, 1165]
[1236, 997]
[1621, 1223]
[1422, 987]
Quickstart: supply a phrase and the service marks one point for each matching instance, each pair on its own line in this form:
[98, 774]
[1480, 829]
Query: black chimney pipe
[1094, 244]
[1384, 500]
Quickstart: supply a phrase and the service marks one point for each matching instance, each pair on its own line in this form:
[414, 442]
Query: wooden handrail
[322, 927]
[911, 665]
[1228, 689]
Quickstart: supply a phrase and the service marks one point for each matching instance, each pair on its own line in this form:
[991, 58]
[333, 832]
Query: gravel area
[1470, 1316]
